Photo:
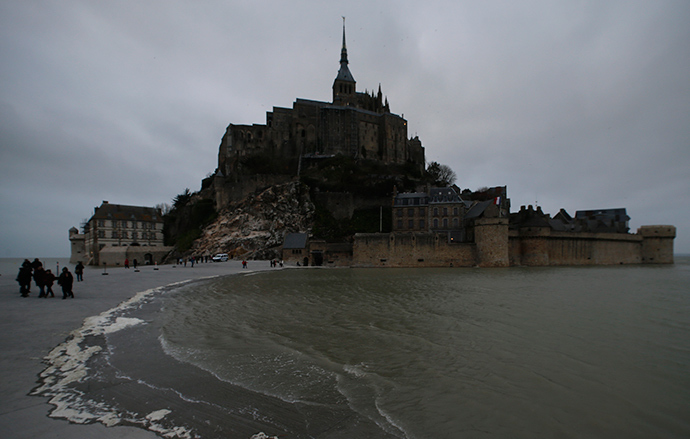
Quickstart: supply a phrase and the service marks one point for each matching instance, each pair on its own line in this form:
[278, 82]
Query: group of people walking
[45, 279]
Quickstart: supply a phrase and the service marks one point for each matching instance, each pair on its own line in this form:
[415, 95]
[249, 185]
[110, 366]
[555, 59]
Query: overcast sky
[575, 105]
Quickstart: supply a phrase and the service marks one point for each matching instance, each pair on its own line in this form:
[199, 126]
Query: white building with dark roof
[117, 232]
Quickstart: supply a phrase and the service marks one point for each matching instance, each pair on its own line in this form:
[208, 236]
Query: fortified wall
[425, 249]
[496, 246]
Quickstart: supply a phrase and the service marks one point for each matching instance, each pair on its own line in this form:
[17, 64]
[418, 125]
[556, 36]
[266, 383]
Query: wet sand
[31, 327]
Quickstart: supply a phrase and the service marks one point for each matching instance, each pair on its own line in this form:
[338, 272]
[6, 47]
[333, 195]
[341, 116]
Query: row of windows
[411, 201]
[410, 211]
[123, 234]
[125, 224]
[344, 88]
[436, 224]
[444, 211]
[410, 224]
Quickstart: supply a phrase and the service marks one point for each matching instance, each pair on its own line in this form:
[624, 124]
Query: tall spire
[343, 51]
[344, 87]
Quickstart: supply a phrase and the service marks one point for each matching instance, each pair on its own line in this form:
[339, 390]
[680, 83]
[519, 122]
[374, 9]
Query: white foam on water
[240, 379]
[363, 390]
[390, 419]
[158, 415]
[67, 364]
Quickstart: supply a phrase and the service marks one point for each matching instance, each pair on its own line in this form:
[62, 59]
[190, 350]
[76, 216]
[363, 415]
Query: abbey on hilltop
[355, 124]
[340, 183]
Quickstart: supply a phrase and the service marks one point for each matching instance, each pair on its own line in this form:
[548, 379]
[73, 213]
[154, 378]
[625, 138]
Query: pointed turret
[344, 86]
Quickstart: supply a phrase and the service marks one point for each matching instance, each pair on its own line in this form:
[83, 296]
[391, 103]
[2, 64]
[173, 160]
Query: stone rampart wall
[491, 239]
[115, 256]
[657, 245]
[410, 250]
[495, 246]
[542, 246]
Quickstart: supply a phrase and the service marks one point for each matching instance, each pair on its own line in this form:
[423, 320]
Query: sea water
[412, 353]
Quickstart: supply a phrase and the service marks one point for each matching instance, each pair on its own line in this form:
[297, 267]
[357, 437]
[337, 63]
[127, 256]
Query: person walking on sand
[24, 278]
[49, 279]
[65, 281]
[34, 265]
[79, 271]
[40, 278]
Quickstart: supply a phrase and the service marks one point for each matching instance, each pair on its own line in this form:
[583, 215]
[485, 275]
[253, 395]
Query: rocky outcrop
[255, 227]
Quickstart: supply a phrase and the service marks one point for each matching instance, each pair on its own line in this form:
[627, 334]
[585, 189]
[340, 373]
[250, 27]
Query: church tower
[344, 90]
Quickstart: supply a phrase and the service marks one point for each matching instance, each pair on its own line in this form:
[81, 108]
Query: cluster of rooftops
[470, 205]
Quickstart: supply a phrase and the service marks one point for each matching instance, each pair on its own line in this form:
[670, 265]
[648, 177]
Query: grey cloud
[576, 105]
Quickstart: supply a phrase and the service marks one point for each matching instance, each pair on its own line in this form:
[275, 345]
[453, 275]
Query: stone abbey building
[355, 124]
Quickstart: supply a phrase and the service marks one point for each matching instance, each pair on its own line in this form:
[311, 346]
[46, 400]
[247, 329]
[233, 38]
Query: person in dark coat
[40, 278]
[49, 278]
[65, 281]
[24, 278]
[79, 271]
[34, 265]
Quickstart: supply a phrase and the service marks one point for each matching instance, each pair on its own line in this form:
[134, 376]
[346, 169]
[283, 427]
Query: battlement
[657, 231]
[657, 244]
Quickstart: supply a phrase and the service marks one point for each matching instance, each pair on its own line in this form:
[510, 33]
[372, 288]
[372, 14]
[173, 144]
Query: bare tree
[441, 175]
[165, 208]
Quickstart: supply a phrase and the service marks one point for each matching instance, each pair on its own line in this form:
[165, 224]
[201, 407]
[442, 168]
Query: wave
[68, 364]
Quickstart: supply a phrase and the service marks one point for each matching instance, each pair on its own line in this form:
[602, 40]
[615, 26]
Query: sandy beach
[32, 327]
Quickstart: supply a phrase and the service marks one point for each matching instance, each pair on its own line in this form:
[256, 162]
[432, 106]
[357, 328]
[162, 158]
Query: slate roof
[478, 209]
[443, 195]
[295, 241]
[123, 212]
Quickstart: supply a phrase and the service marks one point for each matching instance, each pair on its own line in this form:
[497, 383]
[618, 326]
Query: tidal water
[574, 352]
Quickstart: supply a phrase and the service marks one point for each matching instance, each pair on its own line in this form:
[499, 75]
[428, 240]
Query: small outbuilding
[295, 248]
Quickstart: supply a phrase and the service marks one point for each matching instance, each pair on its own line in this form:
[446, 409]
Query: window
[134, 234]
[399, 224]
[435, 223]
[101, 223]
[399, 212]
[445, 223]
[101, 233]
[445, 211]
[421, 211]
[114, 234]
[410, 212]
[436, 212]
[421, 224]
[152, 235]
[455, 211]
[455, 222]
[410, 224]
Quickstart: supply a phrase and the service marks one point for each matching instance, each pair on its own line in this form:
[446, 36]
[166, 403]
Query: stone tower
[344, 86]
